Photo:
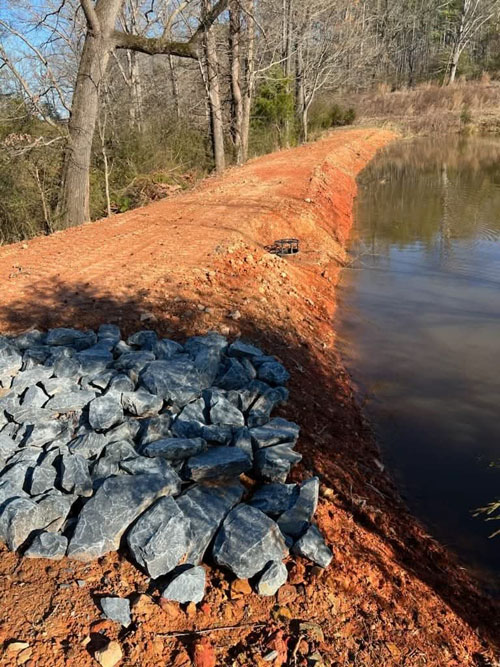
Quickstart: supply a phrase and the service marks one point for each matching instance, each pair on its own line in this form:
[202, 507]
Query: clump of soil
[194, 263]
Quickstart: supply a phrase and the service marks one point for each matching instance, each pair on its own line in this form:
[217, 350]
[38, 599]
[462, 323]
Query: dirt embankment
[196, 262]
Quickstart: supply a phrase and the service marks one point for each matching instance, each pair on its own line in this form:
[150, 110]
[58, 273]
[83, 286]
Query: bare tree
[471, 16]
[101, 41]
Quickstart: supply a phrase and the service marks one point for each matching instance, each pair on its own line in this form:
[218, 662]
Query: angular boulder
[47, 545]
[205, 507]
[217, 463]
[297, 518]
[107, 515]
[188, 586]
[273, 577]
[159, 539]
[105, 412]
[247, 541]
[175, 449]
[312, 545]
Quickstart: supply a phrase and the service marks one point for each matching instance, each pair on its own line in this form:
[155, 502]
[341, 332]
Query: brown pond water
[419, 324]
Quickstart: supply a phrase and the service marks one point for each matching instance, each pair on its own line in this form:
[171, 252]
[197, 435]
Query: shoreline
[196, 262]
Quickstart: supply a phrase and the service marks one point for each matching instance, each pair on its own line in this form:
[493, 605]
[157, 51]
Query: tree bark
[175, 87]
[248, 8]
[213, 88]
[101, 39]
[236, 102]
[73, 207]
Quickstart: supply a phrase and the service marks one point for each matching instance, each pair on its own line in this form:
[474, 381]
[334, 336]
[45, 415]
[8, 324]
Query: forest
[107, 105]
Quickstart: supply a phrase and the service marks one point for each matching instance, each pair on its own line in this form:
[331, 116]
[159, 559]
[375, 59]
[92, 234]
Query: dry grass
[429, 108]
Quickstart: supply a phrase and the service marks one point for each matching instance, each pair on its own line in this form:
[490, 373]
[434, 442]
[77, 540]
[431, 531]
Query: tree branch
[91, 16]
[154, 45]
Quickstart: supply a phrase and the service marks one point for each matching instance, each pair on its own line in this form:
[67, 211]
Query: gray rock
[155, 428]
[105, 412]
[160, 538]
[19, 519]
[41, 434]
[212, 340]
[166, 349]
[241, 349]
[235, 376]
[30, 415]
[222, 412]
[108, 514]
[47, 545]
[312, 546]
[243, 440]
[75, 477]
[101, 351]
[175, 380]
[207, 362]
[145, 339]
[274, 499]
[121, 383]
[127, 430]
[221, 435]
[11, 359]
[109, 332]
[43, 479]
[296, 519]
[135, 360]
[188, 586]
[176, 449]
[217, 463]
[116, 609]
[141, 403]
[66, 367]
[69, 401]
[251, 392]
[53, 386]
[144, 464]
[247, 541]
[7, 447]
[88, 444]
[273, 372]
[34, 398]
[102, 380]
[273, 463]
[205, 507]
[70, 337]
[29, 378]
[273, 578]
[261, 409]
[193, 412]
[55, 507]
[187, 429]
[276, 432]
[29, 338]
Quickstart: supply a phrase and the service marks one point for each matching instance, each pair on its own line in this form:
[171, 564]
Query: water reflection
[420, 329]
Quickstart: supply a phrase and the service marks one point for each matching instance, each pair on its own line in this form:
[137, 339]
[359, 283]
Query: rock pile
[142, 443]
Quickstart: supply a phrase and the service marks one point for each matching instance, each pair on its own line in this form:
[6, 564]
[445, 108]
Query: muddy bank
[190, 264]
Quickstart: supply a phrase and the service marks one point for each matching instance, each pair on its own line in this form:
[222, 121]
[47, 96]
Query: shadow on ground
[335, 442]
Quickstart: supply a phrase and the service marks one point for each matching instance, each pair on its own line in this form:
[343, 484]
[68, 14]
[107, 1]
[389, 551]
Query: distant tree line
[107, 104]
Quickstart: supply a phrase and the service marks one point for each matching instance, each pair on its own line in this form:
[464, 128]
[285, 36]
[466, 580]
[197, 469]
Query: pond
[419, 323]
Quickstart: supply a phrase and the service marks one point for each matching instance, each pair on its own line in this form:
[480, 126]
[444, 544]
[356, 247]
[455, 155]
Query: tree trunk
[236, 101]
[73, 207]
[287, 63]
[175, 87]
[136, 89]
[100, 41]
[300, 95]
[249, 8]
[455, 56]
[212, 68]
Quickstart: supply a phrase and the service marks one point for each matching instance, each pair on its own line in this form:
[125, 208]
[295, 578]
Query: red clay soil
[196, 262]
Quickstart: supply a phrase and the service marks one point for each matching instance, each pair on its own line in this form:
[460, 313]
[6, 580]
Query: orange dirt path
[196, 262]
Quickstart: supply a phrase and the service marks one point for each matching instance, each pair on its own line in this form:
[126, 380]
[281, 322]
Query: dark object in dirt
[284, 247]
